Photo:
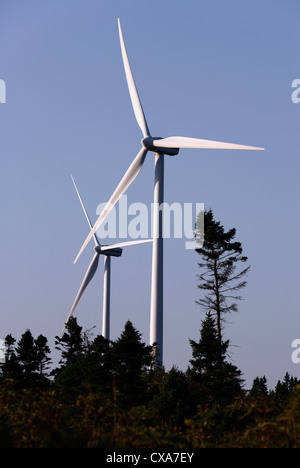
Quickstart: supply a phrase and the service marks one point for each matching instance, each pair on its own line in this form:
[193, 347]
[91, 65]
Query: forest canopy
[113, 394]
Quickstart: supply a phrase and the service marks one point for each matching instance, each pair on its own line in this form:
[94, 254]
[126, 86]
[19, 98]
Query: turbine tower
[160, 146]
[108, 252]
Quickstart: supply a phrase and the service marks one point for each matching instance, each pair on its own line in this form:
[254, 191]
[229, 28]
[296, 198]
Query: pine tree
[27, 357]
[172, 399]
[259, 387]
[10, 368]
[213, 378]
[70, 376]
[43, 359]
[32, 358]
[219, 280]
[9, 344]
[71, 343]
[130, 358]
[99, 351]
[283, 389]
[97, 366]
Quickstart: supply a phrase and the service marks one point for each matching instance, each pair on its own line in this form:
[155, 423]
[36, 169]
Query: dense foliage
[111, 394]
[115, 395]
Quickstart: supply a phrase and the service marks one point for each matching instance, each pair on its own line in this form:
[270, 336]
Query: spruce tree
[9, 344]
[70, 376]
[283, 389]
[32, 358]
[43, 359]
[10, 368]
[130, 358]
[219, 279]
[26, 353]
[211, 376]
[172, 399]
[259, 387]
[96, 366]
[71, 343]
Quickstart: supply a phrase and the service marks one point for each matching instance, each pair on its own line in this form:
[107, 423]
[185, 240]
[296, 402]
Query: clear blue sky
[208, 69]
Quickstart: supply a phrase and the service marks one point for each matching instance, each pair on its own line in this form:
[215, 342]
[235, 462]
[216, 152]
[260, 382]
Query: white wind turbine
[160, 146]
[108, 251]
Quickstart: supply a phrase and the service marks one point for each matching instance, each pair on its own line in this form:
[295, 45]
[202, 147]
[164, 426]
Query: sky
[207, 69]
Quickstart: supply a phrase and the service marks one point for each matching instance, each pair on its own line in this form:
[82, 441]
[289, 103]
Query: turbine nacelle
[149, 144]
[115, 252]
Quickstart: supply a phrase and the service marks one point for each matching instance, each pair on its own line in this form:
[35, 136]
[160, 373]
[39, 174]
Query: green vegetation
[112, 394]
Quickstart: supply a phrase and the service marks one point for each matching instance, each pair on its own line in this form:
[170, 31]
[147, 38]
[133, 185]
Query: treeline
[114, 394]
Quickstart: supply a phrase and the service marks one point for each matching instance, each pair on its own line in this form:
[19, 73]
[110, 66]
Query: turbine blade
[125, 244]
[184, 142]
[127, 179]
[135, 100]
[88, 277]
[84, 210]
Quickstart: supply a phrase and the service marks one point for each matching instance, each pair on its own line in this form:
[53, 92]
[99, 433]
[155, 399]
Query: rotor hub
[114, 252]
[148, 143]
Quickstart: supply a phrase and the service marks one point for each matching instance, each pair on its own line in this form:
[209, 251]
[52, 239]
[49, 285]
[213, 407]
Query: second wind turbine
[107, 251]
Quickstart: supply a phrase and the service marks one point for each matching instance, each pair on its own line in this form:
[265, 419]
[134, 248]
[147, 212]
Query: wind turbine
[160, 146]
[108, 252]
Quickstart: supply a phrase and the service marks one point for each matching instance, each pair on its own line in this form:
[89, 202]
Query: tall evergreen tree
[70, 376]
[9, 344]
[71, 343]
[219, 280]
[43, 359]
[99, 362]
[27, 357]
[33, 360]
[10, 368]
